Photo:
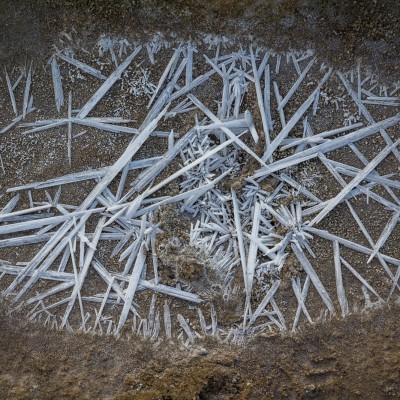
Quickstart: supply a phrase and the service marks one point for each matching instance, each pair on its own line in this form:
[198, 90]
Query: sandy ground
[353, 358]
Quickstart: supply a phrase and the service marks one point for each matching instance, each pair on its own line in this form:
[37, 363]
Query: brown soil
[355, 358]
[339, 31]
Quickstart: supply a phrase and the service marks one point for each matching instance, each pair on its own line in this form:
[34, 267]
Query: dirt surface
[355, 358]
[358, 357]
[339, 31]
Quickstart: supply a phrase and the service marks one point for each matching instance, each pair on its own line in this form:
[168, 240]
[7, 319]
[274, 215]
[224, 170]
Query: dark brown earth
[355, 358]
[358, 357]
[339, 31]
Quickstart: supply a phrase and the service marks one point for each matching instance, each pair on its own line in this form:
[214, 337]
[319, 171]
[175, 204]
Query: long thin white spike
[103, 89]
[339, 280]
[356, 180]
[133, 284]
[314, 278]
